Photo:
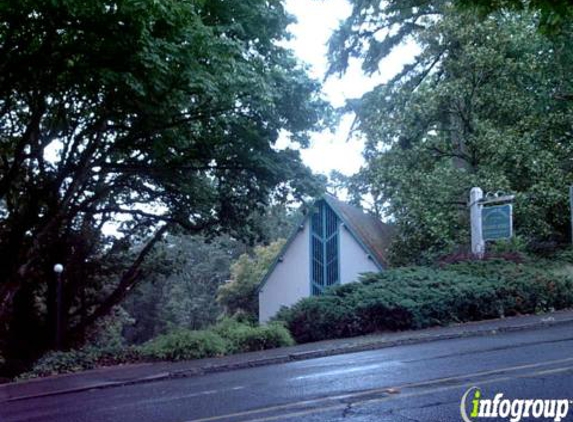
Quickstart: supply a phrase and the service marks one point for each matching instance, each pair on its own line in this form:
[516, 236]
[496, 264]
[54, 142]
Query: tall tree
[183, 295]
[147, 116]
[239, 296]
[182, 288]
[486, 103]
[374, 28]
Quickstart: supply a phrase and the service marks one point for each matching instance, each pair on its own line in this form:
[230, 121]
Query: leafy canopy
[374, 28]
[486, 103]
[141, 116]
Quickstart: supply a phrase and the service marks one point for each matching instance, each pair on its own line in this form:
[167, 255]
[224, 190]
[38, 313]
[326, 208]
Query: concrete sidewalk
[148, 372]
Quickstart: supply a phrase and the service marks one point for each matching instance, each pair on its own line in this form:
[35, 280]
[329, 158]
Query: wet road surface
[423, 382]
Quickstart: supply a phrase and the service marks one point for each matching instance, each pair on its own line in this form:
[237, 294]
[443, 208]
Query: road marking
[388, 398]
[345, 371]
[173, 398]
[198, 394]
[382, 391]
[369, 401]
[552, 371]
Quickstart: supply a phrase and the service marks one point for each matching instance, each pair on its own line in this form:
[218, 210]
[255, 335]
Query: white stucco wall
[353, 259]
[289, 282]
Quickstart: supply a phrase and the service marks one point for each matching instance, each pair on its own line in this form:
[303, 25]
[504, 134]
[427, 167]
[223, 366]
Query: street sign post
[497, 222]
[478, 244]
[489, 221]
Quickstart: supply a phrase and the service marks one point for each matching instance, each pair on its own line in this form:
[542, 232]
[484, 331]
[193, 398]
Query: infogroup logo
[474, 407]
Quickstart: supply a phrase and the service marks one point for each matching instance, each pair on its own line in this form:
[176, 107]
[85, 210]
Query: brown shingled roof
[374, 234]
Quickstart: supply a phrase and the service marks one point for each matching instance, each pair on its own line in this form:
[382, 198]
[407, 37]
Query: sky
[315, 22]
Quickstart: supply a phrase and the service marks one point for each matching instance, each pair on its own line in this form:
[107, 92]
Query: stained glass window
[324, 248]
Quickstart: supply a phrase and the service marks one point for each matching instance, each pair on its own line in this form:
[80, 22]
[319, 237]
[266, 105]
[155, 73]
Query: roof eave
[355, 235]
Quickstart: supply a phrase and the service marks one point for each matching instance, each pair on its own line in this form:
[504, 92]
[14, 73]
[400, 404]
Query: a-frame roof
[372, 234]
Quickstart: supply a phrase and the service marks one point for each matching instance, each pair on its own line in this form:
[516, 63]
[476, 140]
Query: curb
[297, 356]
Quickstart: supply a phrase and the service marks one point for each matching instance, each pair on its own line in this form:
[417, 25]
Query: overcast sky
[316, 21]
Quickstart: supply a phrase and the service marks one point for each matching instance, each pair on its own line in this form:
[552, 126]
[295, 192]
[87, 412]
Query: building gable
[372, 235]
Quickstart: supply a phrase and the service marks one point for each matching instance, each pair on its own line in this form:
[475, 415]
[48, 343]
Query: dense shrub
[79, 360]
[319, 318]
[419, 297]
[228, 337]
[453, 258]
[565, 255]
[242, 337]
[59, 363]
[184, 344]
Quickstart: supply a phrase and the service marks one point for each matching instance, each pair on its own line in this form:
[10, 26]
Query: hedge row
[399, 299]
[418, 297]
[227, 337]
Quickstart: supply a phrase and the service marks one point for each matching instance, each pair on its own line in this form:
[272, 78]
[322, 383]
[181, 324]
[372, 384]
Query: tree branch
[128, 280]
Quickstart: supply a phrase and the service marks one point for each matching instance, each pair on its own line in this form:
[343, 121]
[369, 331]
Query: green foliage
[554, 15]
[107, 333]
[247, 337]
[184, 344]
[243, 337]
[516, 244]
[239, 296]
[227, 337]
[487, 103]
[565, 255]
[91, 357]
[373, 30]
[183, 294]
[148, 116]
[183, 297]
[419, 297]
[320, 318]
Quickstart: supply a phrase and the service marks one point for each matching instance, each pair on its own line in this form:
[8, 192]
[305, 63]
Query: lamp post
[58, 269]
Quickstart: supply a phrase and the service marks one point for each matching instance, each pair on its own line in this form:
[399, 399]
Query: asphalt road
[423, 382]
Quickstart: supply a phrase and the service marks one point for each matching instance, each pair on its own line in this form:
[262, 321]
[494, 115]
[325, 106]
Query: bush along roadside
[227, 337]
[398, 299]
[419, 297]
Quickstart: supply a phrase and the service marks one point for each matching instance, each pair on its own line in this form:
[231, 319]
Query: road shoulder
[149, 372]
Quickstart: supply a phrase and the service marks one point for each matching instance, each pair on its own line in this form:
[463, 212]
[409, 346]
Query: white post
[478, 245]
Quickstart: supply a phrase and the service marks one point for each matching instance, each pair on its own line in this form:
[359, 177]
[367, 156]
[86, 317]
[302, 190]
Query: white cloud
[329, 151]
[316, 22]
